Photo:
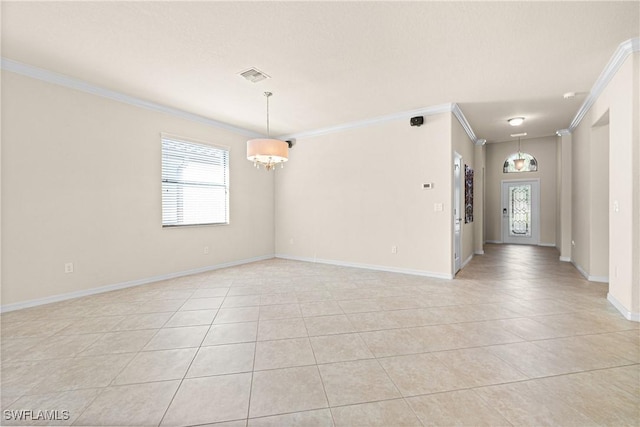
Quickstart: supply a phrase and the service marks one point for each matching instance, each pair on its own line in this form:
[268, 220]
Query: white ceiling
[332, 62]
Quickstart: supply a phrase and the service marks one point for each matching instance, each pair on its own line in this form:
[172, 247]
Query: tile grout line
[192, 360]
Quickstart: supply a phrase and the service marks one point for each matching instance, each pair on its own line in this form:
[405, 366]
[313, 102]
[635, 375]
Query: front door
[521, 212]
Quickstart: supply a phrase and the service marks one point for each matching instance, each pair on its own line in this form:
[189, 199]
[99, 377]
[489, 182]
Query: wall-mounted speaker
[417, 121]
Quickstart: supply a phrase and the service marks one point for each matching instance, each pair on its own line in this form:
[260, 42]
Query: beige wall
[479, 195]
[81, 183]
[599, 177]
[563, 200]
[544, 150]
[621, 100]
[348, 197]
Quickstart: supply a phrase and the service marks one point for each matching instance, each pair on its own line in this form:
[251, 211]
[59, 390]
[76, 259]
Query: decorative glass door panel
[520, 210]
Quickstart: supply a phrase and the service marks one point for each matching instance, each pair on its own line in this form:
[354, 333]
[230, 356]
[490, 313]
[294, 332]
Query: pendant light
[268, 151]
[519, 162]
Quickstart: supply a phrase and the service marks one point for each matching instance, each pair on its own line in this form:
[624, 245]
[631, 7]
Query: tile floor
[518, 338]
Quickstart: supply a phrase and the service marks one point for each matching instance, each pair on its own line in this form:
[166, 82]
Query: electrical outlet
[68, 267]
[394, 249]
[205, 250]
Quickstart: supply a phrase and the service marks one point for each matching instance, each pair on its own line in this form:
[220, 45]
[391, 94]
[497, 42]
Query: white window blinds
[195, 183]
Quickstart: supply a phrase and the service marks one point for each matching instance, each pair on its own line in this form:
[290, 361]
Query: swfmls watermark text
[36, 415]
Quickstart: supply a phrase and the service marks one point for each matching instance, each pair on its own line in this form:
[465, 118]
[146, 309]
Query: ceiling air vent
[254, 75]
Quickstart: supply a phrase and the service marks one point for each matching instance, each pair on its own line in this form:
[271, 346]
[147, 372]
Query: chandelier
[267, 152]
[519, 162]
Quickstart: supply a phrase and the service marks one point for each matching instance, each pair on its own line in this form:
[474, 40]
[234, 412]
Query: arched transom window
[520, 162]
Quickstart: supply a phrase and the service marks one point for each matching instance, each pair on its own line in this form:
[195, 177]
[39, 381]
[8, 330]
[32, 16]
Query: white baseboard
[495, 242]
[634, 317]
[547, 245]
[368, 266]
[467, 260]
[599, 279]
[123, 285]
[580, 269]
[565, 258]
[481, 252]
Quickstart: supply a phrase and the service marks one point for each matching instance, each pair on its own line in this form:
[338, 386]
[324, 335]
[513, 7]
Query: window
[195, 183]
[530, 163]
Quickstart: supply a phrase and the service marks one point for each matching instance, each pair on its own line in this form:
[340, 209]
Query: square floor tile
[168, 338]
[210, 293]
[73, 402]
[279, 311]
[320, 308]
[234, 315]
[241, 301]
[328, 325]
[421, 374]
[281, 391]
[382, 414]
[532, 360]
[16, 348]
[340, 348]
[92, 325]
[459, 408]
[202, 304]
[135, 404]
[392, 342]
[360, 305]
[278, 299]
[120, 342]
[596, 395]
[222, 359]
[315, 418]
[284, 354]
[210, 400]
[356, 382]
[20, 376]
[232, 333]
[142, 321]
[83, 372]
[622, 344]
[61, 347]
[530, 403]
[582, 353]
[478, 367]
[161, 365]
[191, 318]
[281, 329]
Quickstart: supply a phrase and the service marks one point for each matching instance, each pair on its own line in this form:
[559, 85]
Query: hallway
[518, 338]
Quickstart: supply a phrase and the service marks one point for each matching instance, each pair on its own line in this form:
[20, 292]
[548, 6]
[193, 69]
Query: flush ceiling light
[267, 152]
[516, 121]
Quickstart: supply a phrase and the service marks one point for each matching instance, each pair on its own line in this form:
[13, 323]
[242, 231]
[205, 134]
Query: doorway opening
[457, 212]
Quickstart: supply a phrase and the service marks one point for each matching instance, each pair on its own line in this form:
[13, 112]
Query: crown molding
[455, 109]
[81, 85]
[625, 49]
[428, 111]
[563, 132]
[73, 83]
